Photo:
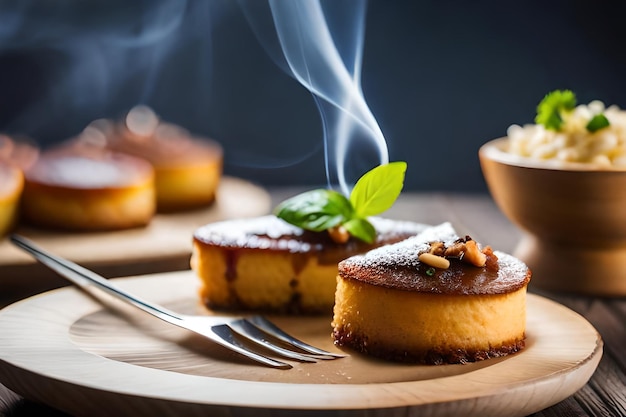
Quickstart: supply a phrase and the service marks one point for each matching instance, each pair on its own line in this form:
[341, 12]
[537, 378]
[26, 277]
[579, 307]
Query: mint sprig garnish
[324, 209]
[316, 210]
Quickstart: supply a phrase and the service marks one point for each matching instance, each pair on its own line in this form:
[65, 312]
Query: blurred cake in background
[15, 157]
[84, 187]
[11, 185]
[187, 168]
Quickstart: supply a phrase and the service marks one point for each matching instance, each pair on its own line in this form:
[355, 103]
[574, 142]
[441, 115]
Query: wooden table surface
[476, 215]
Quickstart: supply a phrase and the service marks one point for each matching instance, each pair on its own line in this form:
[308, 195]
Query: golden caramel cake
[434, 298]
[91, 191]
[187, 169]
[15, 157]
[267, 264]
[11, 185]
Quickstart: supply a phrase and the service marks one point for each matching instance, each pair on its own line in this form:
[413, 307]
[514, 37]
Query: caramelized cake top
[104, 170]
[397, 267]
[271, 233]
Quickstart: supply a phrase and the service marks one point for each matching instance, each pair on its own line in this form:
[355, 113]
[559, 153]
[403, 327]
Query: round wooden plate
[98, 357]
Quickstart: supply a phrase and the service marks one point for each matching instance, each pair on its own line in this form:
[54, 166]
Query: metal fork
[227, 331]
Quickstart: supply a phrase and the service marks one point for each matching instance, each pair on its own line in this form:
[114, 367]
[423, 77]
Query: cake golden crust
[460, 314]
[95, 191]
[11, 185]
[15, 157]
[428, 329]
[266, 264]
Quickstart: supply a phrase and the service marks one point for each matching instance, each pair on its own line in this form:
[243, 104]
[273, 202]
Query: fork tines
[257, 328]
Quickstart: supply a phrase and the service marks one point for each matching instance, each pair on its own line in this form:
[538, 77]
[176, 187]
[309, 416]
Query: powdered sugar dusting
[405, 253]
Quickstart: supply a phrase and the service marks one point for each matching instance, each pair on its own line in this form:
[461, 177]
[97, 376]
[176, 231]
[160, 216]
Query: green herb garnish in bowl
[557, 105]
[329, 210]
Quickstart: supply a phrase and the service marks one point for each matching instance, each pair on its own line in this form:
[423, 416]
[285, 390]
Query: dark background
[441, 77]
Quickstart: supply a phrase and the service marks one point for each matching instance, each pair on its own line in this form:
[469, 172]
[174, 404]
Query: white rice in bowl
[573, 142]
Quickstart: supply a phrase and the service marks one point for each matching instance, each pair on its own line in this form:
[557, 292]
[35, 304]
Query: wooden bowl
[573, 216]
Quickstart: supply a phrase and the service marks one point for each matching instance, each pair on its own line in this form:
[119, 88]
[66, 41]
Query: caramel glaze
[269, 233]
[397, 267]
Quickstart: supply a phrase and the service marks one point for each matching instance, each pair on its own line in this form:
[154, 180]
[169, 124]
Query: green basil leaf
[315, 210]
[377, 190]
[599, 121]
[361, 229]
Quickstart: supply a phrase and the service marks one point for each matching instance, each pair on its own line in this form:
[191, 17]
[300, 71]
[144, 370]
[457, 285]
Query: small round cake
[16, 155]
[267, 264]
[187, 169]
[11, 185]
[432, 299]
[88, 191]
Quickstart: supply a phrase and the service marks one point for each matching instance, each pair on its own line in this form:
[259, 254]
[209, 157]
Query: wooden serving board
[96, 357]
[164, 245]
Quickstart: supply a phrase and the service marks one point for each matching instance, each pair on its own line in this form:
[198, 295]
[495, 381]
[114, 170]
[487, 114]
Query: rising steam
[322, 47]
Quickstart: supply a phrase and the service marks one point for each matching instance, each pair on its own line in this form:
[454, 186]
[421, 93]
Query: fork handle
[84, 277]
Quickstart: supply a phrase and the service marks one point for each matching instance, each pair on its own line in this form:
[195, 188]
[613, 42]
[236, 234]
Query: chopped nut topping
[465, 249]
[437, 248]
[339, 234]
[434, 260]
[473, 255]
[457, 250]
[492, 258]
